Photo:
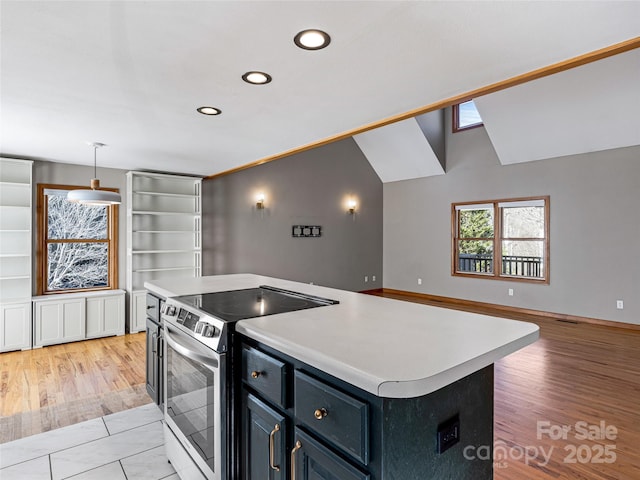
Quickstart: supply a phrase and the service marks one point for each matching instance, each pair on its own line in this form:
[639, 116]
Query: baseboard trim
[494, 309]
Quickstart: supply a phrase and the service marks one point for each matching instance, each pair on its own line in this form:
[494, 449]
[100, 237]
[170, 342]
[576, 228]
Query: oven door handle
[188, 352]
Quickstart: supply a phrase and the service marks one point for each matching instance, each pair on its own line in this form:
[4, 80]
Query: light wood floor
[60, 385]
[574, 373]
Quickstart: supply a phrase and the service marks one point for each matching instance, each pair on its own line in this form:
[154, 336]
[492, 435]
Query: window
[77, 244]
[466, 116]
[518, 229]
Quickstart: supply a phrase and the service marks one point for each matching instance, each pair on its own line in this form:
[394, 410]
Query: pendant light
[95, 196]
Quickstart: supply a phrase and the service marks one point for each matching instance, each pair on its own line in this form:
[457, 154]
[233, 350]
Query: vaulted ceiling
[131, 74]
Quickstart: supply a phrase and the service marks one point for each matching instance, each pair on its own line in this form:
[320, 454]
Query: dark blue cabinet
[264, 438]
[311, 460]
[330, 430]
[154, 361]
[340, 419]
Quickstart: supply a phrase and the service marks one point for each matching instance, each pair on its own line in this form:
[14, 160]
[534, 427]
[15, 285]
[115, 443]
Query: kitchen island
[416, 382]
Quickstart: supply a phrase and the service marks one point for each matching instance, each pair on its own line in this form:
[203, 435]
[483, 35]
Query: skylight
[466, 115]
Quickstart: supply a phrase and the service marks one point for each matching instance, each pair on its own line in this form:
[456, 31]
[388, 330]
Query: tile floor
[127, 445]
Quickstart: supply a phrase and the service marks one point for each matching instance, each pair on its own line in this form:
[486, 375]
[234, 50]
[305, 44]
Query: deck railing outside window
[520, 266]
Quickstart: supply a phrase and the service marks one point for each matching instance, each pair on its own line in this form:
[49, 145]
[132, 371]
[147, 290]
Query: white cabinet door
[15, 326]
[138, 321]
[105, 316]
[59, 321]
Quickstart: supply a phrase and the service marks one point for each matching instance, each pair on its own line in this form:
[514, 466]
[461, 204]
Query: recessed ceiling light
[312, 39]
[210, 111]
[257, 78]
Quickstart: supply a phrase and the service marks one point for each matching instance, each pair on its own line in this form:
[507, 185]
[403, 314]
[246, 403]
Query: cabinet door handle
[160, 346]
[320, 413]
[255, 374]
[272, 448]
[154, 343]
[293, 459]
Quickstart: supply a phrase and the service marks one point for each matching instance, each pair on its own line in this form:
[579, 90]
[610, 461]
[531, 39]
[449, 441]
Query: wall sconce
[351, 205]
[260, 201]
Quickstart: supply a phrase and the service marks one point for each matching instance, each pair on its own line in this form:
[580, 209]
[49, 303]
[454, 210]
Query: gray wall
[309, 188]
[68, 174]
[595, 228]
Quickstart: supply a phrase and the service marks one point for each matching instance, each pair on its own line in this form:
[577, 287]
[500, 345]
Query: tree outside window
[77, 246]
[518, 229]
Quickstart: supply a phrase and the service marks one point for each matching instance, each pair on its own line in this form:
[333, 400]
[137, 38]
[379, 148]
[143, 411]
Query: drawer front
[264, 374]
[334, 415]
[153, 307]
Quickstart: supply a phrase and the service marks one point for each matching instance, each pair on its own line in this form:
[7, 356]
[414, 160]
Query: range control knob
[209, 331]
[199, 328]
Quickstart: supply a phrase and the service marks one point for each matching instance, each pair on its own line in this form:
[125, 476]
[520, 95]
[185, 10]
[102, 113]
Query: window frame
[43, 242]
[455, 119]
[498, 238]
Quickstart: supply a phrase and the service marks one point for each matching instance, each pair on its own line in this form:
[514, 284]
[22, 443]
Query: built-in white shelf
[139, 252]
[15, 254]
[168, 269]
[163, 233]
[166, 194]
[11, 300]
[16, 184]
[151, 212]
[190, 232]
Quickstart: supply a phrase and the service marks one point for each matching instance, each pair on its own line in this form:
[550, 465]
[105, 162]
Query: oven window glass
[191, 399]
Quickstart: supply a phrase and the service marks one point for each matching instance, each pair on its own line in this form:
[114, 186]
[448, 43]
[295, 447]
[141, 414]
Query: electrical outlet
[419, 281]
[373, 278]
[366, 279]
[511, 292]
[448, 434]
[619, 304]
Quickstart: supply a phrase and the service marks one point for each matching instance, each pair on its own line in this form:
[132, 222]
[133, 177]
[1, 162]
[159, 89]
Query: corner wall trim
[507, 311]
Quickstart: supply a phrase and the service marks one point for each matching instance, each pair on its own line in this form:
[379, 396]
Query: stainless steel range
[201, 398]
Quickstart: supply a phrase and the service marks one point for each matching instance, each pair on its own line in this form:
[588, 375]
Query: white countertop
[390, 348]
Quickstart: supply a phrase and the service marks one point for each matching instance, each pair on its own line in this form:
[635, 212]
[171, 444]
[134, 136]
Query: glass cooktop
[235, 305]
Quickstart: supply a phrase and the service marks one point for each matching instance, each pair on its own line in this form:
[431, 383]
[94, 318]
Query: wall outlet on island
[419, 281]
[373, 278]
[366, 279]
[619, 304]
[448, 434]
[511, 292]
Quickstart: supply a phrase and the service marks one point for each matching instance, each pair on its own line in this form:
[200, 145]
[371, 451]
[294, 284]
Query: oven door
[195, 406]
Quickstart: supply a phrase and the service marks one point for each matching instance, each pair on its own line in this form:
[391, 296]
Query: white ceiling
[131, 73]
[399, 151]
[587, 109]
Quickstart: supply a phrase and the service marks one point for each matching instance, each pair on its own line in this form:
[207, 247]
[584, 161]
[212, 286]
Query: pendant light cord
[95, 153]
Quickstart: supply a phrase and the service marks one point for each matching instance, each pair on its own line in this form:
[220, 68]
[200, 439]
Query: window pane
[523, 222]
[476, 223]
[468, 114]
[67, 220]
[523, 258]
[77, 265]
[475, 256]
